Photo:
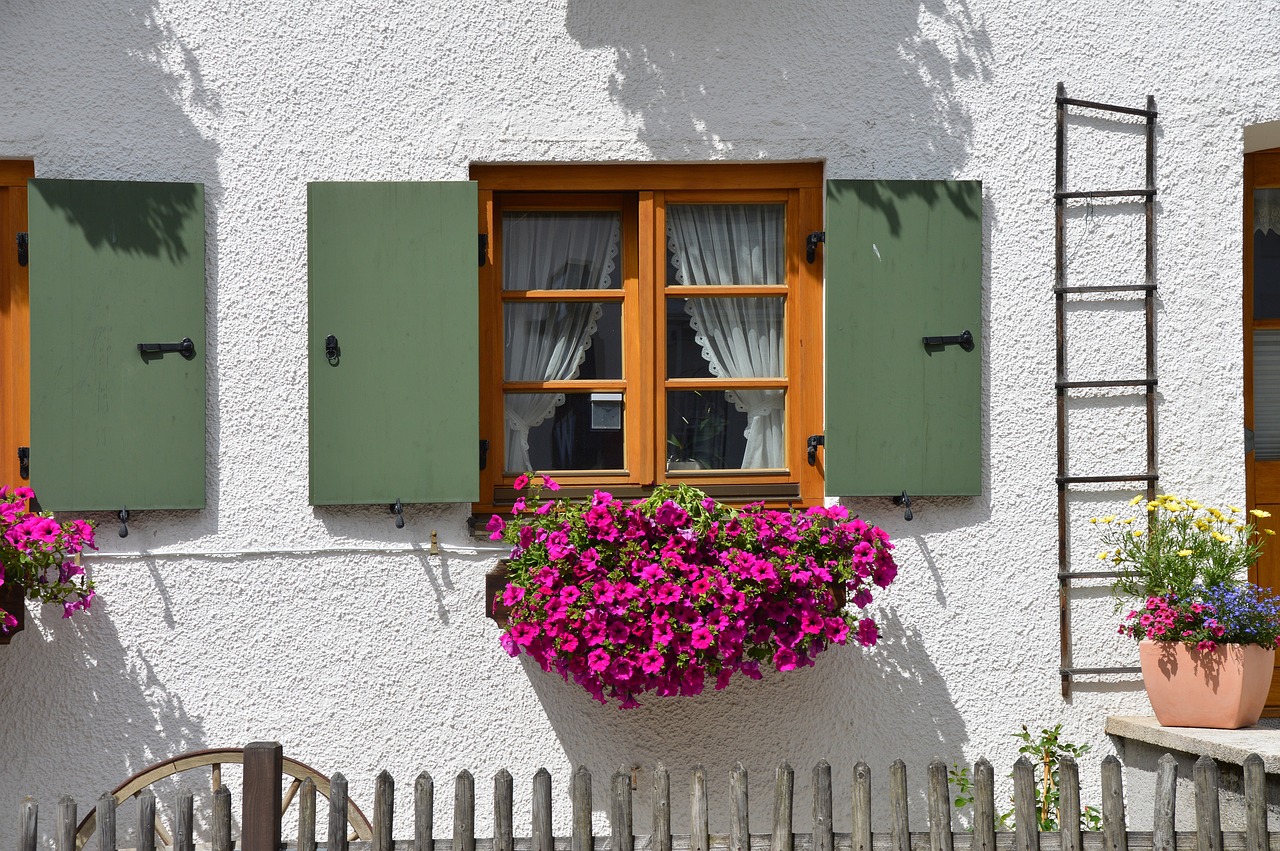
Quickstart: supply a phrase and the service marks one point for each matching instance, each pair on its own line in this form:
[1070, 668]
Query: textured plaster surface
[359, 661]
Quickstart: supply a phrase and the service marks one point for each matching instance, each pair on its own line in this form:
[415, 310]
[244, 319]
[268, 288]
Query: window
[649, 324]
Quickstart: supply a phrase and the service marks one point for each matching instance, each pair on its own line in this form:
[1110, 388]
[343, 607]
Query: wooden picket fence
[262, 809]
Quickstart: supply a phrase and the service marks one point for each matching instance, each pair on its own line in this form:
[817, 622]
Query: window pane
[726, 244]
[563, 431]
[1266, 254]
[725, 338]
[557, 341]
[725, 430]
[560, 251]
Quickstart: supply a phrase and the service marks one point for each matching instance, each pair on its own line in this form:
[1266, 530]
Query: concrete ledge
[1222, 745]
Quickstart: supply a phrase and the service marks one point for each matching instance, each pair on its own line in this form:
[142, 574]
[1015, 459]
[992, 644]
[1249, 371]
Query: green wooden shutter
[114, 264]
[392, 269]
[903, 262]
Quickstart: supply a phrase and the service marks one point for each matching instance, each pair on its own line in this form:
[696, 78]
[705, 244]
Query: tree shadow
[871, 705]
[752, 78]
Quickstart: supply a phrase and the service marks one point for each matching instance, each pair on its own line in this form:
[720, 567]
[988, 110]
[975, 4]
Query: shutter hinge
[1248, 441]
[24, 461]
[484, 454]
[22, 248]
[815, 440]
[484, 248]
[811, 244]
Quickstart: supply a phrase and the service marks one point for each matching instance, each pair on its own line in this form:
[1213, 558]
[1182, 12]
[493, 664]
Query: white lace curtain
[547, 341]
[1266, 210]
[740, 337]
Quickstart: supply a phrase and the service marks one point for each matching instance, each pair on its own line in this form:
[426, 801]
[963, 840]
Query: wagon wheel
[215, 759]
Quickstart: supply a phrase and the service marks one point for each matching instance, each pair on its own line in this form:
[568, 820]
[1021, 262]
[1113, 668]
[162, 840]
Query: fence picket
[337, 813]
[984, 807]
[65, 837]
[784, 792]
[542, 836]
[503, 809]
[1026, 828]
[424, 801]
[699, 826]
[1069, 803]
[28, 822]
[620, 813]
[464, 812]
[1255, 804]
[739, 812]
[384, 797]
[1164, 823]
[220, 830]
[1208, 816]
[146, 822]
[824, 838]
[939, 807]
[581, 825]
[105, 816]
[861, 829]
[183, 837]
[307, 816]
[899, 822]
[1114, 836]
[661, 837]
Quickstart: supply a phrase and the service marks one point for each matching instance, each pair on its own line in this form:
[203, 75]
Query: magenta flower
[521, 482]
[550, 483]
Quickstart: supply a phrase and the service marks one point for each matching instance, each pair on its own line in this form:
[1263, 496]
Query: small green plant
[1047, 749]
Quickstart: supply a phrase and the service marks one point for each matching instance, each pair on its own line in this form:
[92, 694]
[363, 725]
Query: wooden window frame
[15, 322]
[642, 193]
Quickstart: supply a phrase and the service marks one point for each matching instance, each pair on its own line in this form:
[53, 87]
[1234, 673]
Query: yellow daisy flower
[1185, 553]
[1258, 512]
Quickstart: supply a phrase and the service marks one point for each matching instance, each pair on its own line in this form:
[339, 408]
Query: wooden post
[384, 803]
[65, 835]
[1026, 829]
[307, 816]
[861, 833]
[939, 807]
[620, 813]
[1069, 804]
[984, 807]
[661, 837]
[1255, 805]
[106, 822]
[220, 830]
[783, 796]
[147, 821]
[699, 826]
[503, 809]
[28, 819]
[899, 822]
[739, 811]
[260, 800]
[183, 837]
[543, 839]
[464, 812]
[581, 838]
[1164, 823]
[424, 800]
[1114, 835]
[824, 838]
[1208, 816]
[337, 813]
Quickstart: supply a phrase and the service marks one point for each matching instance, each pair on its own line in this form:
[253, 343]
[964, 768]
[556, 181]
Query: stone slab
[1222, 745]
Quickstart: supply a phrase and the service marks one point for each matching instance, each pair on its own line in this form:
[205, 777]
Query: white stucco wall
[360, 661]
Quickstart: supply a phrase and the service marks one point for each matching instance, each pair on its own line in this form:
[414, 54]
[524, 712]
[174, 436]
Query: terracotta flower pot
[1224, 688]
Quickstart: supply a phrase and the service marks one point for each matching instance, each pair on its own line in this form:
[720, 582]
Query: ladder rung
[1135, 382]
[1084, 480]
[1109, 193]
[1092, 104]
[1108, 288]
[1091, 574]
[1075, 672]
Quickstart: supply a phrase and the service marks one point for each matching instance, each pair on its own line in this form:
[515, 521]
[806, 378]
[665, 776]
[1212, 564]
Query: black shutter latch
[484, 248]
[811, 244]
[24, 462]
[22, 248]
[484, 454]
[815, 440]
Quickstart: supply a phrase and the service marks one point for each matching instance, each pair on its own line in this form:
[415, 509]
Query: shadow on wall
[875, 83]
[120, 96]
[853, 704]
